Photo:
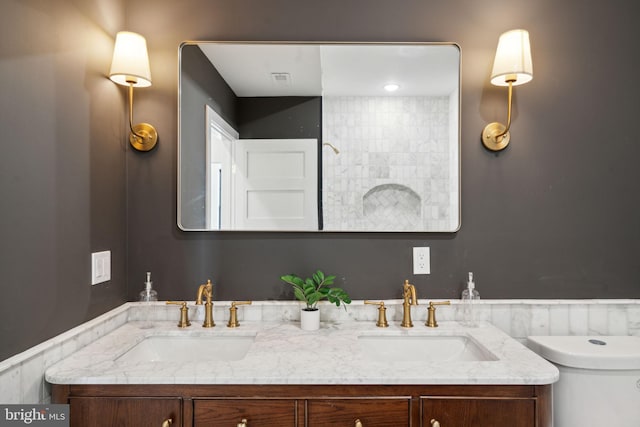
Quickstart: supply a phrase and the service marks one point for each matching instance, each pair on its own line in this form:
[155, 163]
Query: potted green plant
[310, 291]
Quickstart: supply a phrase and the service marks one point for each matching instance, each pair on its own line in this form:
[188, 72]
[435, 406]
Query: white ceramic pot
[309, 320]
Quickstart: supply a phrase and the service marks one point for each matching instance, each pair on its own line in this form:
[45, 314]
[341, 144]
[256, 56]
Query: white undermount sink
[188, 349]
[413, 348]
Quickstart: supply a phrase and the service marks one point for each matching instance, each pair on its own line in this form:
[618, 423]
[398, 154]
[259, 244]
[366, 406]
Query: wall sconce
[511, 67]
[130, 67]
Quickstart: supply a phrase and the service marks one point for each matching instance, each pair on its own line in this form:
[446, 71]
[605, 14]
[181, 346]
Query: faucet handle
[382, 313]
[234, 303]
[233, 313]
[431, 317]
[184, 313]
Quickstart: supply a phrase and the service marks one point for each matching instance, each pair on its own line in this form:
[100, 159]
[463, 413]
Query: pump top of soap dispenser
[470, 292]
[148, 293]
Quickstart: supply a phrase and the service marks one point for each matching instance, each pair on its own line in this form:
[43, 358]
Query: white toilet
[599, 381]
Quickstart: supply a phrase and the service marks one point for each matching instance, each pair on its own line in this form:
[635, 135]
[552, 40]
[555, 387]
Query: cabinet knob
[435, 423]
[243, 423]
[167, 422]
[358, 423]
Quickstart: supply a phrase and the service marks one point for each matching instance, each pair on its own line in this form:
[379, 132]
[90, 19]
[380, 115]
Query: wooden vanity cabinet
[124, 411]
[307, 405]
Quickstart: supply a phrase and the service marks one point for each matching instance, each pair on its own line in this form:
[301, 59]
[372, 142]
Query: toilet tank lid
[589, 352]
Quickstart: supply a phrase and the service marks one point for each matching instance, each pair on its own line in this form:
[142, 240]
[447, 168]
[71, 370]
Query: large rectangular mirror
[319, 136]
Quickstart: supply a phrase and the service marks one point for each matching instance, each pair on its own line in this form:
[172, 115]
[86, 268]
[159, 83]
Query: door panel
[276, 184]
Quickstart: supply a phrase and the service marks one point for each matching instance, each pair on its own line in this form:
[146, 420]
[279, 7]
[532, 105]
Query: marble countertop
[284, 354]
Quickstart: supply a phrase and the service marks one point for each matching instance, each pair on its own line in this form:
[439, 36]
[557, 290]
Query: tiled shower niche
[393, 169]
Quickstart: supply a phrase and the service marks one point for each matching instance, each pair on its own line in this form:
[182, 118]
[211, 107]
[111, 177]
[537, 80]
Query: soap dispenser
[468, 296]
[148, 293]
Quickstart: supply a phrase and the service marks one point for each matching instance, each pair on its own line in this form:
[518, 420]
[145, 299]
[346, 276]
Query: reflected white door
[220, 137]
[276, 184]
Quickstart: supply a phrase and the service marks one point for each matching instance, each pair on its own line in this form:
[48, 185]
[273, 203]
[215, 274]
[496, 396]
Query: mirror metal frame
[319, 43]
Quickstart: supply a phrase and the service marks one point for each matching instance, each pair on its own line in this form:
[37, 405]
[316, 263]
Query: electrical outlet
[421, 262]
[100, 267]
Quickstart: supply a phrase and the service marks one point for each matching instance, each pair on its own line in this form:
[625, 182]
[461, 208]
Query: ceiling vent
[281, 79]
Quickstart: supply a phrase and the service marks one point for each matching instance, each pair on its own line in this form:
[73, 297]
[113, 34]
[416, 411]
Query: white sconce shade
[130, 64]
[513, 59]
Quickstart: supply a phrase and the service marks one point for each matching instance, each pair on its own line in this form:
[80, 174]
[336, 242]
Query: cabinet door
[124, 412]
[257, 412]
[478, 412]
[370, 411]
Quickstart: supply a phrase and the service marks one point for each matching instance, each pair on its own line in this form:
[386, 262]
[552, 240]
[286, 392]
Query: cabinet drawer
[124, 411]
[370, 411]
[257, 412]
[478, 412]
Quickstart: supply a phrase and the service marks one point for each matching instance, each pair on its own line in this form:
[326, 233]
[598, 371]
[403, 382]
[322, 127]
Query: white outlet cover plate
[421, 260]
[100, 267]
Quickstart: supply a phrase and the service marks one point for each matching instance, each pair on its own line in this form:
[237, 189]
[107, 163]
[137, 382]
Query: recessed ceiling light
[391, 87]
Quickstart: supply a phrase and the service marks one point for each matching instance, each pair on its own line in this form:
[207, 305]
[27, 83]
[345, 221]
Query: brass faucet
[184, 313]
[233, 313]
[382, 313]
[409, 297]
[207, 291]
[431, 317]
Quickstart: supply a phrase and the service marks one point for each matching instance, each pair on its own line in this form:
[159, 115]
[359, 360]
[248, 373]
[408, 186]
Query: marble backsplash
[22, 381]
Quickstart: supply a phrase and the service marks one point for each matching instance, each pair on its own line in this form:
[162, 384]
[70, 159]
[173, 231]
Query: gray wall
[62, 166]
[554, 216]
[280, 117]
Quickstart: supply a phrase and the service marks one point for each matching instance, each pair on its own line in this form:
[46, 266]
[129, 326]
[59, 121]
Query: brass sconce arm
[496, 136]
[143, 136]
[506, 131]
